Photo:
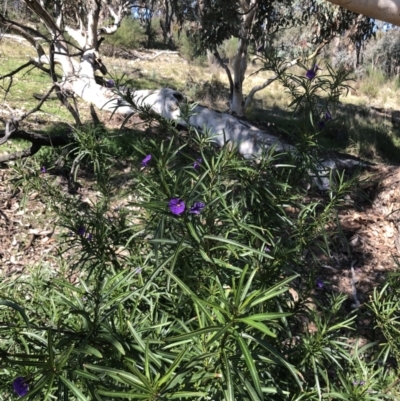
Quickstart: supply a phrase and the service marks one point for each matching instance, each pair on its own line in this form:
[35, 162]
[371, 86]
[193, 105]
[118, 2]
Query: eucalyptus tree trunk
[384, 10]
[249, 9]
[78, 75]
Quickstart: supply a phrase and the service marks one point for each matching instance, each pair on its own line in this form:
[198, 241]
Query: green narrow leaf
[193, 232]
[130, 378]
[187, 394]
[172, 368]
[257, 325]
[91, 351]
[238, 245]
[269, 316]
[250, 389]
[86, 375]
[73, 389]
[38, 385]
[228, 383]
[36, 336]
[277, 356]
[219, 334]
[124, 395]
[274, 291]
[194, 333]
[50, 348]
[16, 307]
[112, 340]
[251, 365]
[243, 293]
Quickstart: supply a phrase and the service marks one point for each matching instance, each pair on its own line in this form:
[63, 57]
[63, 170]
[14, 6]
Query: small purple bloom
[176, 206]
[81, 231]
[197, 163]
[43, 170]
[145, 161]
[321, 124]
[310, 74]
[328, 116]
[320, 283]
[197, 208]
[358, 383]
[110, 83]
[90, 237]
[21, 387]
[266, 249]
[260, 48]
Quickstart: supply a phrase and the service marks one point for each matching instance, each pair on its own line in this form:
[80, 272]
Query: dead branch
[42, 139]
[140, 57]
[20, 68]
[28, 34]
[21, 154]
[36, 108]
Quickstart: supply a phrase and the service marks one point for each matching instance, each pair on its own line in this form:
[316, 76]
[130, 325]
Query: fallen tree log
[251, 141]
[223, 128]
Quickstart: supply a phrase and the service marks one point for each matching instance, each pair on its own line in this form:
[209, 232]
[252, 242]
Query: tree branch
[227, 70]
[384, 10]
[28, 33]
[12, 123]
[21, 154]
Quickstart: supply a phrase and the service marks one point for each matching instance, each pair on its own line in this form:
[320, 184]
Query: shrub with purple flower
[310, 74]
[110, 83]
[21, 387]
[197, 208]
[43, 170]
[145, 161]
[177, 206]
[197, 163]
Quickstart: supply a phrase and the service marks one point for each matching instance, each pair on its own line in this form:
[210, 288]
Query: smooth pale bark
[239, 64]
[251, 142]
[384, 10]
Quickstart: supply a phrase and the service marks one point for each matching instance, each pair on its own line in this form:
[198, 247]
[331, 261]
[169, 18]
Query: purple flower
[176, 206]
[90, 237]
[260, 48]
[21, 387]
[197, 163]
[310, 74]
[321, 124]
[358, 383]
[197, 208]
[110, 83]
[81, 231]
[266, 249]
[328, 116]
[145, 161]
[43, 169]
[320, 283]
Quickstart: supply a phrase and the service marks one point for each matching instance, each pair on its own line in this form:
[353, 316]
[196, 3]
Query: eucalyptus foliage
[203, 285]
